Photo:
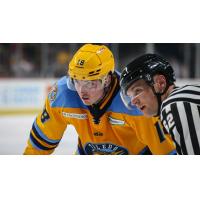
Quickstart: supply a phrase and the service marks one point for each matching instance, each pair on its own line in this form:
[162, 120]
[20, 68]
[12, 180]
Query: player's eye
[138, 91]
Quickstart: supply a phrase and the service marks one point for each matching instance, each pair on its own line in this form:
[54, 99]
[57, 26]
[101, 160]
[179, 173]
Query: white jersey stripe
[185, 95]
[189, 87]
[176, 135]
[184, 126]
[196, 118]
[186, 130]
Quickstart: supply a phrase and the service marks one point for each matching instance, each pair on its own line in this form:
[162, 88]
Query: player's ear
[159, 83]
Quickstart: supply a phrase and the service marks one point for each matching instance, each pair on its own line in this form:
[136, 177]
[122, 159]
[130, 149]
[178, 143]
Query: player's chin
[87, 102]
[147, 112]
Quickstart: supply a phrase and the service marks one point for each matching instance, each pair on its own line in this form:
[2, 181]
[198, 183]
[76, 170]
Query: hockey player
[148, 83]
[89, 99]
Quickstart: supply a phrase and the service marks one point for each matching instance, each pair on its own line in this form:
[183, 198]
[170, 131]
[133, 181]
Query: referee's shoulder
[187, 89]
[187, 93]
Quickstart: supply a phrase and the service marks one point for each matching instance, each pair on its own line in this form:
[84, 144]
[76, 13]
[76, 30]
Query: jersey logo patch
[98, 134]
[74, 115]
[45, 116]
[53, 93]
[116, 121]
[105, 149]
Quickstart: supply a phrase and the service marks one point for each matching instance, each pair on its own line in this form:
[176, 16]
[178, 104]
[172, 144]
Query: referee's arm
[180, 119]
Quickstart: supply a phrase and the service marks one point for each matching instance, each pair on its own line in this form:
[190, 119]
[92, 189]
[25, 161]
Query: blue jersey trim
[65, 97]
[32, 143]
[42, 139]
[41, 134]
[174, 152]
[38, 144]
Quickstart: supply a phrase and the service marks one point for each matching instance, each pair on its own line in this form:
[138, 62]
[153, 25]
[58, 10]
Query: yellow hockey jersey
[107, 128]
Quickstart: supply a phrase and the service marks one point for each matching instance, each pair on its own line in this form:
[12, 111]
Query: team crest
[104, 149]
[53, 93]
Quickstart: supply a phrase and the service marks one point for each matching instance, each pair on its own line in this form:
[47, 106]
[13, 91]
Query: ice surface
[14, 133]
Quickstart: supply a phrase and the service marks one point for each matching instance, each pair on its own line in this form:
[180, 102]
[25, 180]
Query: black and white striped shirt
[180, 115]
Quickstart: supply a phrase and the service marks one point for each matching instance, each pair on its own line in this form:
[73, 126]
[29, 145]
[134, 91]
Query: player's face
[143, 97]
[90, 92]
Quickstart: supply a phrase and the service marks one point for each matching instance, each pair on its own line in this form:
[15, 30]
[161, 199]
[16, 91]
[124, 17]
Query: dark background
[51, 60]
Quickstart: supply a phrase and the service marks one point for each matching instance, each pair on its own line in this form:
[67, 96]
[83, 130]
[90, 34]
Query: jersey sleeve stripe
[38, 136]
[37, 144]
[41, 141]
[192, 92]
[43, 136]
[192, 131]
[185, 126]
[179, 127]
[186, 89]
[176, 99]
[176, 138]
[33, 144]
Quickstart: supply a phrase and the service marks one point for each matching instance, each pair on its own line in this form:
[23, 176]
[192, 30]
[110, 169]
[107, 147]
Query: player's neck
[167, 93]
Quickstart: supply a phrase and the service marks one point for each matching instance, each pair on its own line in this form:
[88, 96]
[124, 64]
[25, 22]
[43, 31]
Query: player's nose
[135, 101]
[83, 89]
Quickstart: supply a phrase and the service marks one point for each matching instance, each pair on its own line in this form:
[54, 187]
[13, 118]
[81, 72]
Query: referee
[148, 83]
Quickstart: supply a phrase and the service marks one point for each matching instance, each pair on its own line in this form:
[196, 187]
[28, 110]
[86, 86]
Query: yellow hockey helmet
[91, 62]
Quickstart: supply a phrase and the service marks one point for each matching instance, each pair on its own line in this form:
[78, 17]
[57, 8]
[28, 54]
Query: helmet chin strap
[158, 96]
